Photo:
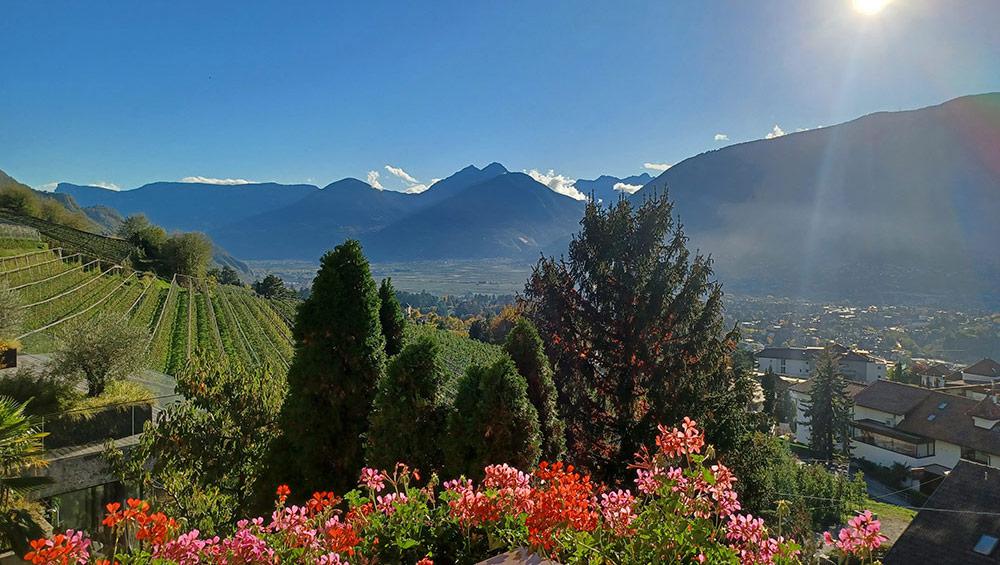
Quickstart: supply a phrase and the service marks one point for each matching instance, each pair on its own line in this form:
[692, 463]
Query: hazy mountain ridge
[890, 204]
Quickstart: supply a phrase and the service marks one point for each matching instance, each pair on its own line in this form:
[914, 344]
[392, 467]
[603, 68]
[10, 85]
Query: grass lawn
[894, 518]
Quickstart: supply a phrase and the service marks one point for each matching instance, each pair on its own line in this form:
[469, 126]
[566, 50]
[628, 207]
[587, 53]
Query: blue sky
[126, 93]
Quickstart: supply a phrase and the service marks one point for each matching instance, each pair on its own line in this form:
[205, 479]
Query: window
[977, 456]
[986, 544]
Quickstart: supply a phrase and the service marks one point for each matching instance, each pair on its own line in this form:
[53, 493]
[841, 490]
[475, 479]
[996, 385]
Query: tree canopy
[633, 326]
[339, 360]
[105, 350]
[207, 452]
[828, 411]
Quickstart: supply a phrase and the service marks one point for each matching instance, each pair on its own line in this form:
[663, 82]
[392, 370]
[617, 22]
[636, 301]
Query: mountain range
[890, 206]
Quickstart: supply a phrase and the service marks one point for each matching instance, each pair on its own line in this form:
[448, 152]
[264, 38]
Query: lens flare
[870, 7]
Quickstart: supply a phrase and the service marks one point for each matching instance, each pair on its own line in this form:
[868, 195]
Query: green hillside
[184, 317]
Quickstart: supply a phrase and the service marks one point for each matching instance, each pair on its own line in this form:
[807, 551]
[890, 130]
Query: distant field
[436, 277]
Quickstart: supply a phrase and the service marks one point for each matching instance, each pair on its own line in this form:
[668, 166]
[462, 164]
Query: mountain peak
[349, 183]
[495, 168]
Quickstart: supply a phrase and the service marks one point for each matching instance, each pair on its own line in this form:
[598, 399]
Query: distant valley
[899, 206]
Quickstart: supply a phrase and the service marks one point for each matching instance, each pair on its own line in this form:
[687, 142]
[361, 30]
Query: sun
[869, 7]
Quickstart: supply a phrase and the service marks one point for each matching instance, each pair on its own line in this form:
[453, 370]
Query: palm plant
[21, 450]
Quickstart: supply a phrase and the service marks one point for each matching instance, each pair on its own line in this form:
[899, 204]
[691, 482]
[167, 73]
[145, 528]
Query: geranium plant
[684, 508]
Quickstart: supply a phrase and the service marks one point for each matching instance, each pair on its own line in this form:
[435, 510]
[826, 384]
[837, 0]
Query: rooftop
[932, 414]
[970, 498]
[985, 368]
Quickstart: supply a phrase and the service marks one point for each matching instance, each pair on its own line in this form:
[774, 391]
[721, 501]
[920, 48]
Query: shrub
[44, 393]
[492, 422]
[409, 416]
[528, 353]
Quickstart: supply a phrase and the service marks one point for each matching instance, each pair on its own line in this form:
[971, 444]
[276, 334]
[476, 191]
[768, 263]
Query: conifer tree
[493, 421]
[528, 353]
[828, 412]
[632, 323]
[390, 314]
[409, 417]
[339, 359]
[769, 387]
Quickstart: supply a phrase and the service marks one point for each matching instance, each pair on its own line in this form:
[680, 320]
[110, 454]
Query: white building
[800, 362]
[926, 430]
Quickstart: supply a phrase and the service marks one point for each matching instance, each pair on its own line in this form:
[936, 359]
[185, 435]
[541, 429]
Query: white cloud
[210, 180]
[776, 131]
[415, 188]
[47, 187]
[373, 180]
[106, 184]
[657, 166]
[401, 174]
[558, 183]
[721, 137]
[628, 188]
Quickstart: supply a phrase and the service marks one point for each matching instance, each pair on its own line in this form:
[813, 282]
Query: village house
[926, 430]
[985, 371]
[800, 361]
[936, 375]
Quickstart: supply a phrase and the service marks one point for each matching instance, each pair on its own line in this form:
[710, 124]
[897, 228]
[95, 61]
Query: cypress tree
[528, 353]
[769, 386]
[339, 359]
[828, 412]
[492, 422]
[390, 315]
[408, 419]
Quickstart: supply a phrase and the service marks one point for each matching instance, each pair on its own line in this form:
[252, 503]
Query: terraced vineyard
[457, 352]
[58, 289]
[110, 248]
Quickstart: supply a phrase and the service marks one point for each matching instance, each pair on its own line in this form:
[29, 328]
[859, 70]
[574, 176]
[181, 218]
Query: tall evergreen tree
[339, 359]
[409, 417]
[528, 353]
[390, 314]
[492, 422]
[769, 387]
[828, 412]
[633, 326]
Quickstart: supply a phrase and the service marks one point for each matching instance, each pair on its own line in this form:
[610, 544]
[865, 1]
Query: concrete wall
[793, 368]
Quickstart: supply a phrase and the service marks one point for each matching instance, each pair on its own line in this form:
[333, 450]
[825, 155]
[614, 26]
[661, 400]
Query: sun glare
[869, 7]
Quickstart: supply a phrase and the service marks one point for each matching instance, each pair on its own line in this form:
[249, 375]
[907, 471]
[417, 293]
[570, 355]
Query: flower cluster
[748, 537]
[684, 441]
[861, 536]
[618, 511]
[564, 500]
[685, 509]
[68, 547]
